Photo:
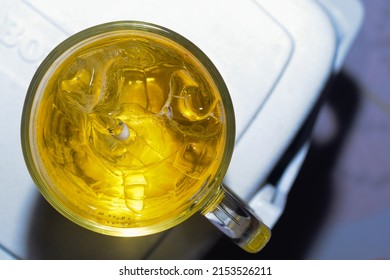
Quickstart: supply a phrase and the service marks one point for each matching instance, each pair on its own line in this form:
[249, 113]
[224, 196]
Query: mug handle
[236, 220]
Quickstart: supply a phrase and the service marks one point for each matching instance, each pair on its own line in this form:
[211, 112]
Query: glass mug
[128, 129]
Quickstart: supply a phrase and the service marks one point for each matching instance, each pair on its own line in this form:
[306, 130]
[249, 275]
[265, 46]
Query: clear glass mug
[128, 129]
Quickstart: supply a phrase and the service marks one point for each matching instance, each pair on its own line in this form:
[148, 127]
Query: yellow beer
[129, 131]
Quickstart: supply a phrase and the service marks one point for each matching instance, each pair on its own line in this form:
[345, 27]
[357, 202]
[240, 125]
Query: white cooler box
[275, 57]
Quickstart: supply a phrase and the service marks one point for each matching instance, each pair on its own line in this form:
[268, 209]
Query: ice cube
[81, 84]
[157, 87]
[192, 100]
[134, 190]
[163, 179]
[138, 54]
[94, 172]
[194, 157]
[132, 87]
